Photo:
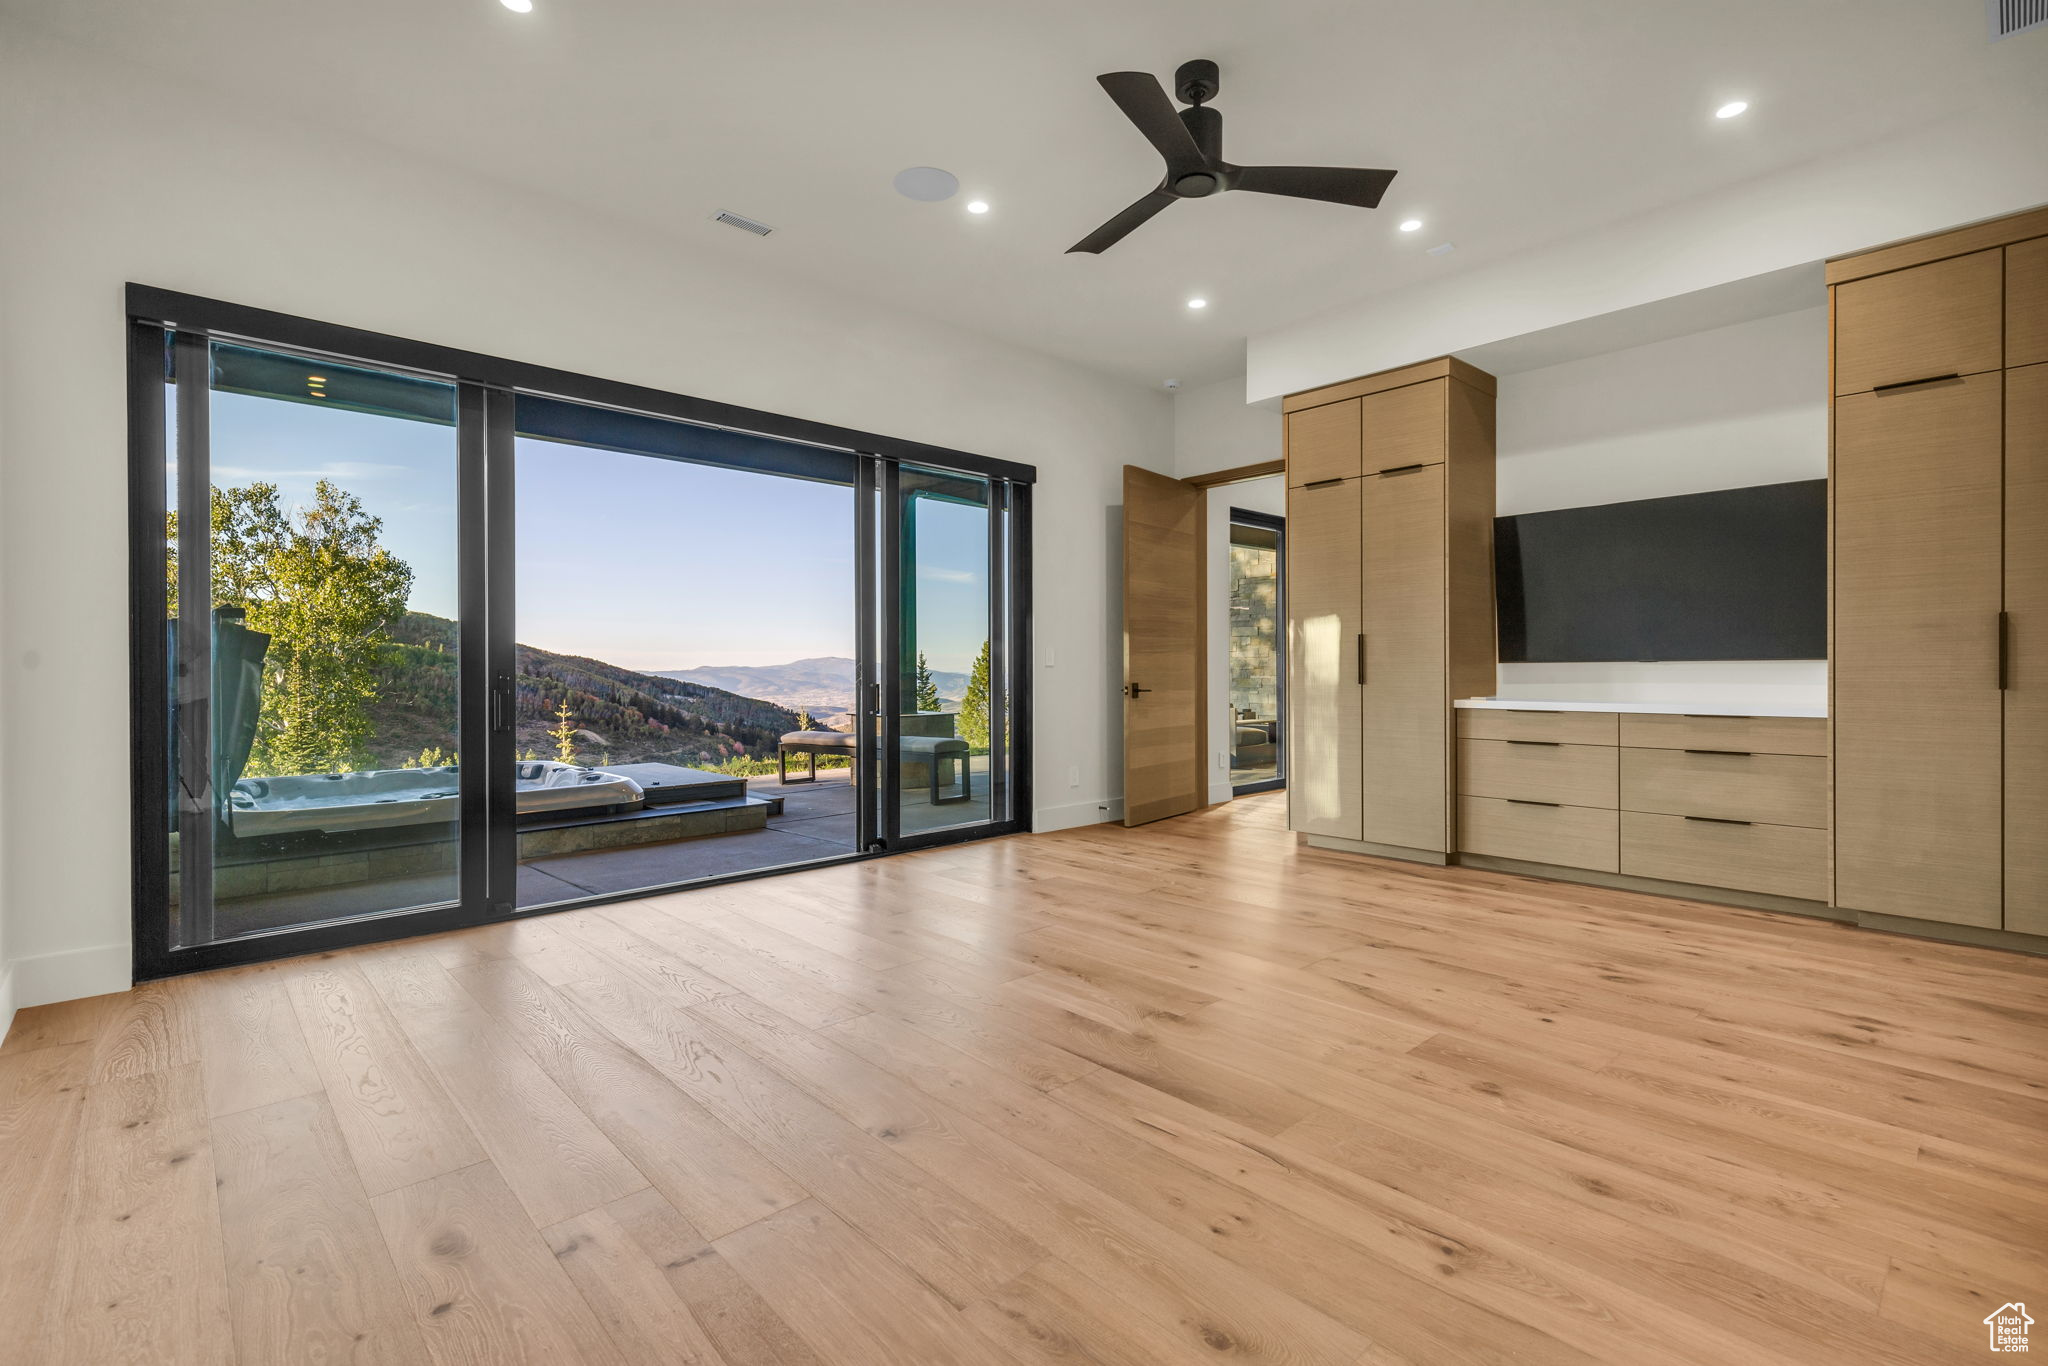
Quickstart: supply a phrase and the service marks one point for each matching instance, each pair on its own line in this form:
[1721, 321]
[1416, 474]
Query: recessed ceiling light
[518, 6]
[1198, 303]
[1442, 249]
[927, 184]
[978, 206]
[1731, 109]
[1411, 224]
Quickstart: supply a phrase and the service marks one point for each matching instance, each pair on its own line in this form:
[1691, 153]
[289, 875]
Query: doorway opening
[1257, 646]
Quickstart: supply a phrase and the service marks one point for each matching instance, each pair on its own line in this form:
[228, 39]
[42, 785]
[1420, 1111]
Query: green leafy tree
[318, 583]
[927, 692]
[974, 705]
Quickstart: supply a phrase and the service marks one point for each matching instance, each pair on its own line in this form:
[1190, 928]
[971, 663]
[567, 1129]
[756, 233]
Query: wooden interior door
[1323, 652]
[2026, 672]
[1917, 709]
[1165, 669]
[1405, 773]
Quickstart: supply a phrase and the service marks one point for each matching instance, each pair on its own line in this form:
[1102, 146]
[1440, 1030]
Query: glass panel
[325, 688]
[945, 662]
[1255, 681]
[685, 659]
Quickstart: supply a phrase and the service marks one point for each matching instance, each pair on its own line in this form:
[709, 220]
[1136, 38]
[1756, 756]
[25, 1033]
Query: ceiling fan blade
[1144, 102]
[1115, 230]
[1333, 184]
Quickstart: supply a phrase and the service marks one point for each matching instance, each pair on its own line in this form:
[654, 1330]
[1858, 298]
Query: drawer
[1943, 318]
[1757, 734]
[1568, 836]
[1538, 770]
[1565, 727]
[1774, 789]
[1782, 860]
[1322, 443]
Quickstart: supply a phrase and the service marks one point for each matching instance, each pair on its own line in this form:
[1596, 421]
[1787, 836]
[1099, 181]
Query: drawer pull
[1323, 484]
[1718, 820]
[1738, 753]
[1547, 744]
[1524, 801]
[1911, 383]
[1715, 716]
[1403, 469]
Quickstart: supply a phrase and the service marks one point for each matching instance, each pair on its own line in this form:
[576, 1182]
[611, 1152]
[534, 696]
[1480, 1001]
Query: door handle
[501, 704]
[1361, 658]
[1911, 383]
[1735, 753]
[1132, 690]
[2004, 651]
[1403, 469]
[1716, 820]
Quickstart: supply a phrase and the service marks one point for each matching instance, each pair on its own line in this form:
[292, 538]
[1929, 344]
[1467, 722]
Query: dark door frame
[487, 389]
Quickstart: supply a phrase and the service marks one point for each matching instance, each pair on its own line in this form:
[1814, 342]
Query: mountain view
[618, 716]
[822, 686]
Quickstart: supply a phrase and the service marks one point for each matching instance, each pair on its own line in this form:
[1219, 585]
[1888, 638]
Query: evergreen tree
[564, 734]
[927, 692]
[316, 581]
[974, 706]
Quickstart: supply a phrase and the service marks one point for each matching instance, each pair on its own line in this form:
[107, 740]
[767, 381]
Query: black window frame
[489, 385]
[1276, 524]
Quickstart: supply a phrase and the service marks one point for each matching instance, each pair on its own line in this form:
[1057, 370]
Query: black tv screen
[1733, 574]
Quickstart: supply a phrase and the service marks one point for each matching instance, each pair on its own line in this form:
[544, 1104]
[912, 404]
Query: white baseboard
[53, 977]
[1077, 814]
[1221, 792]
[6, 1001]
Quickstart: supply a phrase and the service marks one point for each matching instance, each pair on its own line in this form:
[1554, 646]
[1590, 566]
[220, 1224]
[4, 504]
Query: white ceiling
[1512, 124]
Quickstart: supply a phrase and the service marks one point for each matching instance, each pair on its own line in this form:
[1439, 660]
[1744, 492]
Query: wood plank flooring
[1187, 1093]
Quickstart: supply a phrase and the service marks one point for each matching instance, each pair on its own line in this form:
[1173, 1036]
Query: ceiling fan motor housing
[1195, 82]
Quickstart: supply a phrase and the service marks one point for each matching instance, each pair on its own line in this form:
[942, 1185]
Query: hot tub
[333, 803]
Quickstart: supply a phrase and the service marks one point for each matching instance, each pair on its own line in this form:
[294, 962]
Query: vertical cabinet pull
[1361, 657]
[2004, 651]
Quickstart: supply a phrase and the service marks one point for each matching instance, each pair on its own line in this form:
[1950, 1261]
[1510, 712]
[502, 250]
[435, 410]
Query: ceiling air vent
[2016, 16]
[762, 229]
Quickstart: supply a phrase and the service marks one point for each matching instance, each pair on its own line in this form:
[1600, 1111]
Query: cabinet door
[1942, 318]
[1405, 426]
[2026, 303]
[2026, 676]
[1322, 443]
[1322, 660]
[1406, 794]
[1917, 705]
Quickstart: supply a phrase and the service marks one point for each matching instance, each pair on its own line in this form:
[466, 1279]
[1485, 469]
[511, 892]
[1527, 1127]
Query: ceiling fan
[1191, 140]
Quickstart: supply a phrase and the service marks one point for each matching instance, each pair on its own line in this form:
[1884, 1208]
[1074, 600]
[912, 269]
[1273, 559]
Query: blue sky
[644, 563]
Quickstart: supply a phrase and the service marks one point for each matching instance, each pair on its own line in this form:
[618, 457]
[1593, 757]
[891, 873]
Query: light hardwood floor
[1178, 1094]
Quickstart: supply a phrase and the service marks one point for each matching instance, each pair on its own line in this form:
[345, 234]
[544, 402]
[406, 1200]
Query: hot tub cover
[376, 798]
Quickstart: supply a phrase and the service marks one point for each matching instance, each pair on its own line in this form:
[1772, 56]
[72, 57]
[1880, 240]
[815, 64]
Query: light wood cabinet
[2026, 671]
[1563, 727]
[1780, 860]
[1372, 675]
[1917, 713]
[1322, 443]
[1769, 789]
[1404, 426]
[1942, 318]
[1540, 832]
[1324, 775]
[1404, 784]
[1752, 734]
[2026, 303]
[1538, 770]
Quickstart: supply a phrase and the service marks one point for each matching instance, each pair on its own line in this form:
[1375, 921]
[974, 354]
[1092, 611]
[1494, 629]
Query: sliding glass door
[424, 639]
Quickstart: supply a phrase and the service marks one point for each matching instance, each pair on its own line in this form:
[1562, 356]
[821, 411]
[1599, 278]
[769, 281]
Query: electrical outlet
[1074, 775]
[1222, 759]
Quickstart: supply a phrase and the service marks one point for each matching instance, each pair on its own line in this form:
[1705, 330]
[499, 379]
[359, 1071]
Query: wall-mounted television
[1732, 574]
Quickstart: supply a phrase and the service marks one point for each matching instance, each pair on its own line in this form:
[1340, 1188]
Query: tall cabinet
[1390, 600]
[1940, 582]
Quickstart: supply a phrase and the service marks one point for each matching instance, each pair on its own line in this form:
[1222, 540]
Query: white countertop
[1689, 708]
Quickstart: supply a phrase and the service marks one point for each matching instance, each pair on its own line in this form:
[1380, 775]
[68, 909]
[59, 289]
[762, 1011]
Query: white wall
[1722, 409]
[104, 186]
[1215, 429]
[1254, 495]
[1990, 163]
